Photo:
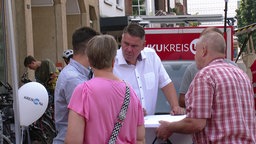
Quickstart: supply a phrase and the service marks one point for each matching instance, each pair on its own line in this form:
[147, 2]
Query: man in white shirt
[143, 69]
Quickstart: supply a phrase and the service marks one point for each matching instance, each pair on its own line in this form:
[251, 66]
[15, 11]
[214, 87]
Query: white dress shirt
[146, 77]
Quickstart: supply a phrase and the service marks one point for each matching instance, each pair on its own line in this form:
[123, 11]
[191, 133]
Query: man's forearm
[171, 95]
[187, 126]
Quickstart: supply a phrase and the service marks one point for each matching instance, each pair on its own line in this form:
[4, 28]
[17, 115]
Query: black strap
[167, 141]
[121, 116]
[90, 73]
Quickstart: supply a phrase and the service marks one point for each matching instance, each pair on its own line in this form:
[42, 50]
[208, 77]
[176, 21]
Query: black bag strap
[167, 141]
[121, 116]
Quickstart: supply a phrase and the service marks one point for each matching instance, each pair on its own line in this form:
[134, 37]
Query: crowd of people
[104, 92]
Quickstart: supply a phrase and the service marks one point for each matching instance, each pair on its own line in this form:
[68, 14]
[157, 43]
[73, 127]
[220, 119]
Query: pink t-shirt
[99, 101]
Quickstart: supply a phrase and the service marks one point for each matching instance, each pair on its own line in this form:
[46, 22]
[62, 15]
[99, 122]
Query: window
[93, 17]
[138, 7]
[119, 4]
[108, 2]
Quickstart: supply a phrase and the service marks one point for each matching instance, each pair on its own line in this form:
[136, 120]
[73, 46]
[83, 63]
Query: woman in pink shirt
[95, 104]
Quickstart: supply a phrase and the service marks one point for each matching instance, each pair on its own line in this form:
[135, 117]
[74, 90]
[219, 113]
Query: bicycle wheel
[8, 134]
[49, 122]
[47, 129]
[35, 136]
[6, 140]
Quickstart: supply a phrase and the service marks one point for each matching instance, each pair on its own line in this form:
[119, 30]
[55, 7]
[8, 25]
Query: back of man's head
[214, 42]
[80, 38]
[211, 29]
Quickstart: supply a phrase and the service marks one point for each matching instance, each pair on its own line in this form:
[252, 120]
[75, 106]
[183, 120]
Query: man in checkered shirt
[219, 102]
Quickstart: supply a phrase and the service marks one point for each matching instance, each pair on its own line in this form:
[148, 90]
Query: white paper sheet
[152, 121]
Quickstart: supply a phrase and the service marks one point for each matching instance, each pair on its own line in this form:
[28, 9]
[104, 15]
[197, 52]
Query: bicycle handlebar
[6, 85]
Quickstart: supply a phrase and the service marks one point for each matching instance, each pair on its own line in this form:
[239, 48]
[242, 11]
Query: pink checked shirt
[222, 94]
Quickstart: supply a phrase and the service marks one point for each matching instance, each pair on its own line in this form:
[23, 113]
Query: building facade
[43, 28]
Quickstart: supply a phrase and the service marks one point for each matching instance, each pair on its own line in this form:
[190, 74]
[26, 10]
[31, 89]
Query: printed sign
[179, 43]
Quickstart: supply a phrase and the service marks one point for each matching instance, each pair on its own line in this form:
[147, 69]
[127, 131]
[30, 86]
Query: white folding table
[152, 122]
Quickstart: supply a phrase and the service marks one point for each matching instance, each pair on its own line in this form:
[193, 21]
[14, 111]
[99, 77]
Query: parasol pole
[11, 40]
[225, 19]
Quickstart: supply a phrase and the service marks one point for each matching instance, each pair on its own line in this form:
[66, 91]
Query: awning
[113, 23]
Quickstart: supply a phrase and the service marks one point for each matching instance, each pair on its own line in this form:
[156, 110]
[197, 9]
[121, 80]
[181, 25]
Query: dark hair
[101, 51]
[28, 60]
[80, 37]
[135, 29]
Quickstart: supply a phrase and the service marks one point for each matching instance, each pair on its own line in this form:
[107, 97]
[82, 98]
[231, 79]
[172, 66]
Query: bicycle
[7, 133]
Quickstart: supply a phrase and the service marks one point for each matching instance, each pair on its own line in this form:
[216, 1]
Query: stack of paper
[152, 121]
